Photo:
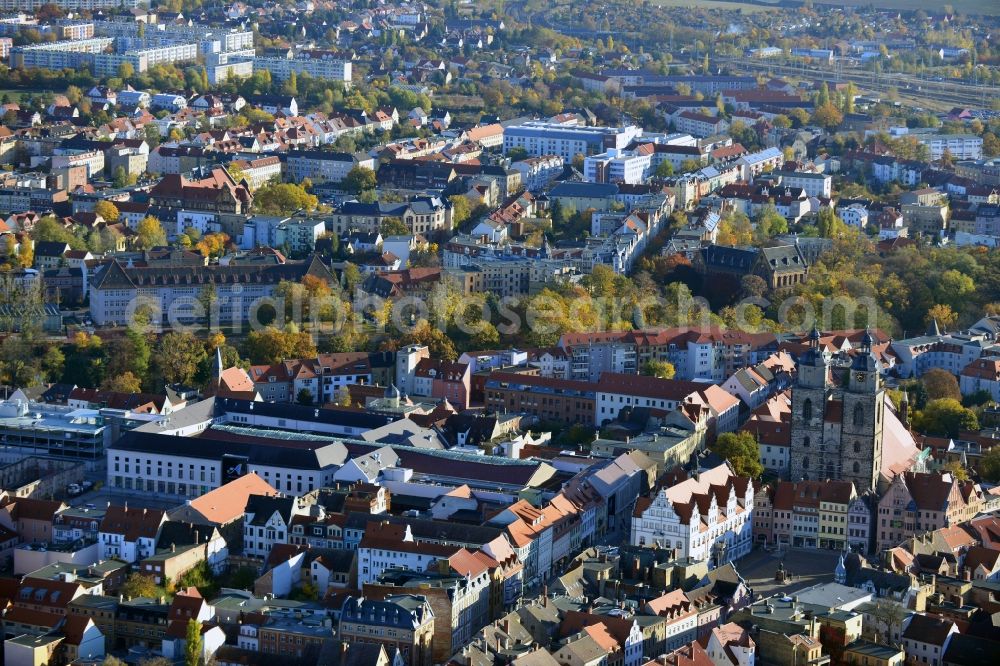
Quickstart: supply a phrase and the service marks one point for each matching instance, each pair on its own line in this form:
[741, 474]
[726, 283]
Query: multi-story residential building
[216, 192]
[922, 502]
[141, 59]
[293, 637]
[564, 400]
[952, 352]
[91, 160]
[813, 184]
[324, 166]
[804, 514]
[317, 64]
[700, 124]
[926, 638]
[421, 215]
[444, 380]
[386, 546]
[258, 171]
[676, 516]
[186, 467]
[981, 375]
[959, 146]
[460, 594]
[538, 172]
[59, 55]
[755, 384]
[267, 521]
[403, 622]
[547, 138]
[696, 354]
[618, 166]
[323, 377]
[754, 164]
[128, 534]
[620, 391]
[861, 523]
[116, 291]
[295, 235]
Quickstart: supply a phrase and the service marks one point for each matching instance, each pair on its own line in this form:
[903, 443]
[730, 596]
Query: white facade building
[688, 516]
[617, 166]
[547, 138]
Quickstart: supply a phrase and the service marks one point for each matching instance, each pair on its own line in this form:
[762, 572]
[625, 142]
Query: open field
[713, 4]
[989, 7]
[15, 94]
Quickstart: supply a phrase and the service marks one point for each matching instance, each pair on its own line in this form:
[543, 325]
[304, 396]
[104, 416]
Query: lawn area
[15, 94]
[990, 7]
[713, 4]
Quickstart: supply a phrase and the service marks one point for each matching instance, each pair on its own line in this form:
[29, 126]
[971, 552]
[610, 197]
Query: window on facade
[859, 414]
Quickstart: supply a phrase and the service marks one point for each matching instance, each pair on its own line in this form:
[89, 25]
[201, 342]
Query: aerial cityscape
[499, 333]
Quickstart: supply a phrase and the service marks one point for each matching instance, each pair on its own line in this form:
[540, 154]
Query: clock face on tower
[859, 377]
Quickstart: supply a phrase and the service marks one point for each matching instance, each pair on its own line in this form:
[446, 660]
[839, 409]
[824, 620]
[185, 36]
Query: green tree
[138, 585]
[958, 472]
[687, 166]
[193, 644]
[107, 210]
[665, 169]
[271, 345]
[517, 153]
[178, 357]
[123, 383]
[660, 369]
[989, 465]
[304, 397]
[939, 383]
[283, 199]
[359, 179]
[945, 417]
[461, 209]
[829, 224]
[150, 233]
[742, 451]
[393, 226]
[351, 276]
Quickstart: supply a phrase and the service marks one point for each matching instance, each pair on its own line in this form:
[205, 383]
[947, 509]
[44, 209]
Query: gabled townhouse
[705, 516]
[386, 546]
[755, 384]
[323, 377]
[267, 522]
[32, 519]
[128, 534]
[444, 380]
[981, 375]
[187, 605]
[680, 617]
[926, 638]
[730, 645]
[922, 502]
[804, 514]
[622, 637]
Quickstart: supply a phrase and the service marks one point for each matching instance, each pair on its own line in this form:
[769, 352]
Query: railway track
[950, 92]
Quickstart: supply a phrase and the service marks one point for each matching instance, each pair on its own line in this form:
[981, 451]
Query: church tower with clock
[838, 411]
